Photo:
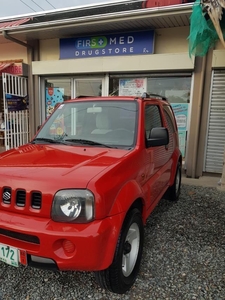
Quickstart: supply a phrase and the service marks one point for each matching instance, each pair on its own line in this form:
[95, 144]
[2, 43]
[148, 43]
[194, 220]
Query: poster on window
[132, 87]
[182, 142]
[16, 103]
[181, 114]
[53, 97]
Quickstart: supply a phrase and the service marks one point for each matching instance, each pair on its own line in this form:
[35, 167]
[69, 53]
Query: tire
[121, 274]
[173, 191]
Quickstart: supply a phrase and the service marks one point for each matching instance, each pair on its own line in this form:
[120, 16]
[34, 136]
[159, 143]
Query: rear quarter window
[170, 118]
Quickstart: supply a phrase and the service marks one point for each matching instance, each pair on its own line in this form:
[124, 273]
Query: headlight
[75, 206]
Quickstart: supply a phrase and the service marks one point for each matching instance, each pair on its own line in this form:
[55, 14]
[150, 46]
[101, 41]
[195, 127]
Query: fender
[177, 157]
[131, 191]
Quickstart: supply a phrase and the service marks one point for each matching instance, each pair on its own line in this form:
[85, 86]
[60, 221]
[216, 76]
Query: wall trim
[153, 62]
[218, 60]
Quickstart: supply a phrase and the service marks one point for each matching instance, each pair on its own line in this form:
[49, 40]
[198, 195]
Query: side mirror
[159, 136]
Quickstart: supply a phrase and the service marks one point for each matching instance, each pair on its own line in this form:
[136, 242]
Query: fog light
[68, 246]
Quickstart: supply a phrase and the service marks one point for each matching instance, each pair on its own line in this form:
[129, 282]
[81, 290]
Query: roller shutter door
[216, 125]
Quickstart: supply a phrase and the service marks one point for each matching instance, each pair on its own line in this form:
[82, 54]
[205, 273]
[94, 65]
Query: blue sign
[131, 43]
[16, 103]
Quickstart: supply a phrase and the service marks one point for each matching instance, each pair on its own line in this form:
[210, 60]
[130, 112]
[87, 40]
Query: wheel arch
[177, 159]
[130, 196]
[134, 200]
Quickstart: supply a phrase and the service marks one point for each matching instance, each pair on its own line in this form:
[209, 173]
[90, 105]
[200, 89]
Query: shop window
[175, 88]
[114, 87]
[88, 87]
[56, 91]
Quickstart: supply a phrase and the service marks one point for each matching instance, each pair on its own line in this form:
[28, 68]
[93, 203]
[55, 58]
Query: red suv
[78, 195]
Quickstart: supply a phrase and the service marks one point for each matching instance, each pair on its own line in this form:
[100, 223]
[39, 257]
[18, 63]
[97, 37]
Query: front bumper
[86, 247]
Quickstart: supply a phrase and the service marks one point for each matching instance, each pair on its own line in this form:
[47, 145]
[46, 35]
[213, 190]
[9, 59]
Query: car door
[157, 158]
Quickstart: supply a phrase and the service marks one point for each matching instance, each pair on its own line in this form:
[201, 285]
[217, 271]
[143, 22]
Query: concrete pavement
[206, 180]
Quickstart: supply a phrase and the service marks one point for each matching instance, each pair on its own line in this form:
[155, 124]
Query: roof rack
[146, 95]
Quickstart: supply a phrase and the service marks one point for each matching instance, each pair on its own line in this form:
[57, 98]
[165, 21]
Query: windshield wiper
[48, 140]
[88, 142]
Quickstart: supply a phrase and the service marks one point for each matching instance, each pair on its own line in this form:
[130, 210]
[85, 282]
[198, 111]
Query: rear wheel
[122, 273]
[173, 191]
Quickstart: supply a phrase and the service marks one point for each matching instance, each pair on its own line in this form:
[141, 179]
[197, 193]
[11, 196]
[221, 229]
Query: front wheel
[122, 273]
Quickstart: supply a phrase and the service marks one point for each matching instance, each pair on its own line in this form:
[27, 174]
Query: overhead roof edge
[69, 9]
[145, 12]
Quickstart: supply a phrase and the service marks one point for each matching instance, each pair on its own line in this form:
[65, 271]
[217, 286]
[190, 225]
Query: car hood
[54, 166]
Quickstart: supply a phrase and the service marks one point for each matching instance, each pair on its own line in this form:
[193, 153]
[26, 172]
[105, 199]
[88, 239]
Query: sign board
[16, 103]
[131, 43]
[16, 69]
[132, 86]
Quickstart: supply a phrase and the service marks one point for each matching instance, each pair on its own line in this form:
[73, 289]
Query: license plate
[9, 255]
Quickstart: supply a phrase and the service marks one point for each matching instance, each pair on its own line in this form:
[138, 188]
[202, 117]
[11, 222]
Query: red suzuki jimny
[78, 195]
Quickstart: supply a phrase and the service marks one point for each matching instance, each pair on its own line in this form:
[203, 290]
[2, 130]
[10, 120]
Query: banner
[131, 43]
[15, 69]
[16, 103]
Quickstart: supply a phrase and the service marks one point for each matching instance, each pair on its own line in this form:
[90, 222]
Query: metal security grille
[16, 131]
[216, 124]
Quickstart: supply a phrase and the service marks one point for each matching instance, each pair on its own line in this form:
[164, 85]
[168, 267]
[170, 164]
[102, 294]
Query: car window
[152, 118]
[169, 118]
[171, 124]
[113, 123]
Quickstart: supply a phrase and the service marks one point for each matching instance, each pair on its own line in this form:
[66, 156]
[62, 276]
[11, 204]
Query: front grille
[20, 198]
[36, 200]
[20, 236]
[6, 195]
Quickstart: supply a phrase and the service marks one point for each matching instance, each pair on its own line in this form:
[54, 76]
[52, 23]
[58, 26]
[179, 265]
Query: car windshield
[95, 123]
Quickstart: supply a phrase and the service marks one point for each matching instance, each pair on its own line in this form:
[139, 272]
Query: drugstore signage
[131, 43]
[14, 68]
